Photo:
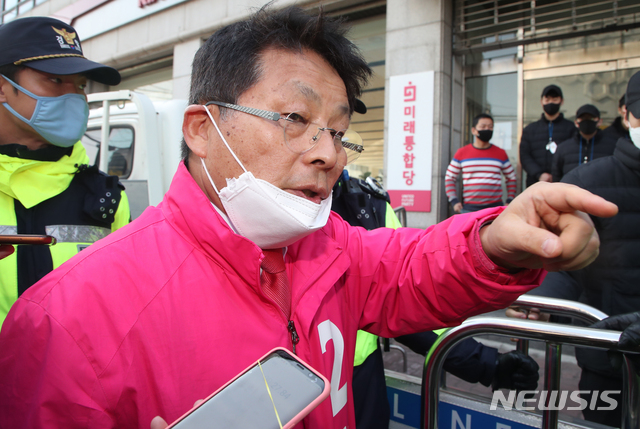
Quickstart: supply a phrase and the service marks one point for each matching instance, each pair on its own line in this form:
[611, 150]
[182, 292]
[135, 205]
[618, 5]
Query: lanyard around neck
[580, 160]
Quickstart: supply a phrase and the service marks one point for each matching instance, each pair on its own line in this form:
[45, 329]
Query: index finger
[568, 198]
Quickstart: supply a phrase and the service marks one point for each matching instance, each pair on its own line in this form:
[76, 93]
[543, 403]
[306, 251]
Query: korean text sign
[410, 140]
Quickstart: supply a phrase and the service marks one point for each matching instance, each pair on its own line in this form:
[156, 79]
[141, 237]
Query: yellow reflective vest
[64, 198]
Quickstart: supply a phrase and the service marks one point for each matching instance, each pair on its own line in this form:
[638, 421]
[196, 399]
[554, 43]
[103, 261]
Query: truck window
[121, 143]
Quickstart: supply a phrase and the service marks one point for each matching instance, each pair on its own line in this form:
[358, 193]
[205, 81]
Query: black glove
[629, 324]
[515, 371]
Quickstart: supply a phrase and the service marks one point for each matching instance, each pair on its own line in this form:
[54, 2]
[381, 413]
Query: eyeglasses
[299, 136]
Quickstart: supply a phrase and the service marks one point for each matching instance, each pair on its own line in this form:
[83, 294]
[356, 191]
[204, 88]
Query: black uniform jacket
[534, 155]
[612, 282]
[578, 150]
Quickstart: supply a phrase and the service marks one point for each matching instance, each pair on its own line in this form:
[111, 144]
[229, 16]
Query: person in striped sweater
[481, 165]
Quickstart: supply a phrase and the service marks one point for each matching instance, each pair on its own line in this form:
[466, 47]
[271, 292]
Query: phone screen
[245, 403]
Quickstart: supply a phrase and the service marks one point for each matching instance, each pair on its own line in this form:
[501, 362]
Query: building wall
[158, 34]
[419, 37]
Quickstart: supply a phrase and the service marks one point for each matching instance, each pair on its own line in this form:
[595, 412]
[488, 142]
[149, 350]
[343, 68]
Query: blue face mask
[59, 120]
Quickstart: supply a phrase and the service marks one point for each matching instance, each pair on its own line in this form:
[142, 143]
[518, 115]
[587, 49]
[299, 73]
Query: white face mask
[265, 214]
[634, 134]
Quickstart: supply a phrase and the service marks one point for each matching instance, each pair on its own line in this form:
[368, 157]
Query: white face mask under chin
[265, 214]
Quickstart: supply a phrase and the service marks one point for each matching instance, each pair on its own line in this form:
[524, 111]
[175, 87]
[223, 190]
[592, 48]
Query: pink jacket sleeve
[428, 280]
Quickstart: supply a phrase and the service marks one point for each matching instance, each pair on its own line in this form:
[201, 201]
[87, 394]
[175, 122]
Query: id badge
[551, 147]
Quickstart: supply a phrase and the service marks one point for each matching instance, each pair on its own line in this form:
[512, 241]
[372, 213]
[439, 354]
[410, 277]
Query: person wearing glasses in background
[243, 254]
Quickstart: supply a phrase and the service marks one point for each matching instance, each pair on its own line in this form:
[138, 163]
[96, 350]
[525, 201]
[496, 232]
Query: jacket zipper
[295, 339]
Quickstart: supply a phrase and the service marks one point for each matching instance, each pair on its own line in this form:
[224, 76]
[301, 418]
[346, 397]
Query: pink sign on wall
[410, 141]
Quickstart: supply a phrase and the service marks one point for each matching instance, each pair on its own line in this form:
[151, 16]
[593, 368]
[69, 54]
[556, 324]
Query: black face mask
[485, 135]
[551, 108]
[588, 126]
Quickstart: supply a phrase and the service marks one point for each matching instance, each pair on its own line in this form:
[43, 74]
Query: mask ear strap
[24, 91]
[209, 176]
[21, 89]
[223, 140]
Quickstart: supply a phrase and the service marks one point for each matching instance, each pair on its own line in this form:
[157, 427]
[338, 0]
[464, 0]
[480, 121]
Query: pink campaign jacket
[167, 309]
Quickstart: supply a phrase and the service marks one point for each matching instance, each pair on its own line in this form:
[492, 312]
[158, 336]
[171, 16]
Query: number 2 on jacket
[329, 331]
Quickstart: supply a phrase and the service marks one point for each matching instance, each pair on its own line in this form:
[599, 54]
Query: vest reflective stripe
[8, 230]
[77, 233]
[73, 238]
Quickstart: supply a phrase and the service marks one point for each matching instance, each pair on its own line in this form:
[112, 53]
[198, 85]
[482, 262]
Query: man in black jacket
[612, 282]
[618, 127]
[540, 139]
[587, 145]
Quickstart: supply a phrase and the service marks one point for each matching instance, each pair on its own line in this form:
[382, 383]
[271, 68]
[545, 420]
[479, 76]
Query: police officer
[588, 144]
[540, 139]
[46, 184]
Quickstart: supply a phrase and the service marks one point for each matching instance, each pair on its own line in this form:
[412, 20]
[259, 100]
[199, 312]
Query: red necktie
[275, 283]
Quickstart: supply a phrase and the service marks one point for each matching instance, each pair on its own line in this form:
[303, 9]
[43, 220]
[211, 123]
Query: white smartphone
[294, 389]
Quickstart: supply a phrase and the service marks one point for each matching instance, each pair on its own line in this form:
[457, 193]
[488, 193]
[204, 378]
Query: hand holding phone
[276, 392]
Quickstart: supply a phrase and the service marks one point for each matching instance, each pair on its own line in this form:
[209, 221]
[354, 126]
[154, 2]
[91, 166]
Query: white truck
[136, 139]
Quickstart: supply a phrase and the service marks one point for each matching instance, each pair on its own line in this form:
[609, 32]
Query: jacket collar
[48, 153]
[32, 181]
[577, 137]
[556, 120]
[628, 153]
[187, 207]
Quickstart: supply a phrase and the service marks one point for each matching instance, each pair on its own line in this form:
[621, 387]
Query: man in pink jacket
[165, 311]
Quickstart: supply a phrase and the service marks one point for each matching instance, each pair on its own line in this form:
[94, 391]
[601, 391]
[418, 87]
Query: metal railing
[557, 307]
[561, 307]
[553, 334]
